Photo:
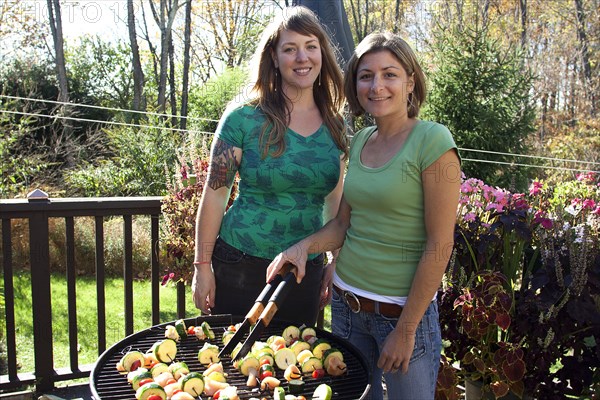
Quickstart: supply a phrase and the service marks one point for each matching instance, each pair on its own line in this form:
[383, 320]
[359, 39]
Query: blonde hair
[269, 96]
[393, 43]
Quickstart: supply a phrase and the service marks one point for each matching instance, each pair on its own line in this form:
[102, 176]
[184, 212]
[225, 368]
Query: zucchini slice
[209, 353]
[193, 383]
[165, 350]
[291, 334]
[284, 358]
[150, 389]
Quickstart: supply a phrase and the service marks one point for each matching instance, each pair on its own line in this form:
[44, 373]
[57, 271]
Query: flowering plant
[520, 305]
[179, 210]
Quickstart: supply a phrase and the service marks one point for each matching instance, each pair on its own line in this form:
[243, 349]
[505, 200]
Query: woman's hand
[203, 288]
[397, 350]
[295, 255]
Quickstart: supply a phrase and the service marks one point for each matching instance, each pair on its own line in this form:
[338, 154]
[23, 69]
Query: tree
[480, 91]
[187, 37]
[99, 73]
[139, 102]
[20, 31]
[585, 57]
[234, 27]
[54, 16]
[164, 19]
[366, 16]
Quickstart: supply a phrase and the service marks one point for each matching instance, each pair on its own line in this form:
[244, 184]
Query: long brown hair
[269, 96]
[378, 41]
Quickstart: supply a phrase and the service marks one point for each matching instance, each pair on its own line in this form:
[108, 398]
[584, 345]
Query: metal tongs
[260, 315]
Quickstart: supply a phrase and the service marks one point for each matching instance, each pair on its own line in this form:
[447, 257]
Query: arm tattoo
[223, 167]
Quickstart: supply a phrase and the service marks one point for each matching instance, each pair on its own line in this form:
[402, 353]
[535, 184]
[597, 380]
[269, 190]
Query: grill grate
[107, 383]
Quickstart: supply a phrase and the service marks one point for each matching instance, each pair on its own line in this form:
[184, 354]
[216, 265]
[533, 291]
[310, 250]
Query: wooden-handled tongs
[261, 313]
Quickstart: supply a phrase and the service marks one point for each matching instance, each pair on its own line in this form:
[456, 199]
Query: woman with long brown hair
[288, 145]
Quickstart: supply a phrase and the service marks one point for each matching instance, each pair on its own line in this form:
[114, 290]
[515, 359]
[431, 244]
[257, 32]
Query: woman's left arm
[441, 188]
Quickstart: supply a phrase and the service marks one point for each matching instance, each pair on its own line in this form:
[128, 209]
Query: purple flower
[184, 172]
[495, 206]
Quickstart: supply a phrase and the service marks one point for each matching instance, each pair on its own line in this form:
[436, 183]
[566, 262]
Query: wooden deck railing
[38, 212]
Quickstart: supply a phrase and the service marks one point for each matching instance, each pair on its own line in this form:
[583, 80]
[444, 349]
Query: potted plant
[520, 305]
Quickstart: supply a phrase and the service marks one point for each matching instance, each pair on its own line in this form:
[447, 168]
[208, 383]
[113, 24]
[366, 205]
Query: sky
[105, 17]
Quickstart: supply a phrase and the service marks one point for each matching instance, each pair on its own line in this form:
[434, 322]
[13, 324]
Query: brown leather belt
[358, 304]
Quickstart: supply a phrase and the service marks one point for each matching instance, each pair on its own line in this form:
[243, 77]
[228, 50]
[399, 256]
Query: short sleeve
[231, 127]
[436, 141]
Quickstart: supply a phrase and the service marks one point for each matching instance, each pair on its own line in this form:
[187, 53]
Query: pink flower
[469, 217]
[465, 188]
[519, 201]
[184, 172]
[589, 203]
[165, 279]
[535, 188]
[596, 210]
[586, 177]
[576, 201]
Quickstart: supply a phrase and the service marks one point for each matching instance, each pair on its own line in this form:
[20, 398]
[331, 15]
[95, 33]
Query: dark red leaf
[514, 372]
[500, 389]
[503, 321]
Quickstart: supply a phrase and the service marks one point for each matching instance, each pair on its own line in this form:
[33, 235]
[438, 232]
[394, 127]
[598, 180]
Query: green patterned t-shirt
[280, 199]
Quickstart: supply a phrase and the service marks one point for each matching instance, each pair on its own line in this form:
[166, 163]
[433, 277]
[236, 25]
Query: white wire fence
[545, 162]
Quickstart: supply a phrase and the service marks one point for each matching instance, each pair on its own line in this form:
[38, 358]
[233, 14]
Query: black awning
[333, 16]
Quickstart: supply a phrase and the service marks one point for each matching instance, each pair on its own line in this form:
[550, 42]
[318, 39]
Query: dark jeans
[240, 278]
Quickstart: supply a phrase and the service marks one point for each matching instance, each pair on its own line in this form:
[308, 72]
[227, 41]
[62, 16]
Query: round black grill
[107, 383]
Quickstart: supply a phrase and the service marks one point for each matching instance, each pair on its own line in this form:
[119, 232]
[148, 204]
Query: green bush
[16, 168]
[481, 92]
[137, 167]
[34, 151]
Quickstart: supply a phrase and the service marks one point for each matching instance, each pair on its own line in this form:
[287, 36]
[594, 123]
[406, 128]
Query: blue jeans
[367, 331]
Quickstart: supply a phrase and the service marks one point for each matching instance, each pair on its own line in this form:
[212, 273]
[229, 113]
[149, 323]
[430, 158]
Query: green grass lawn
[87, 316]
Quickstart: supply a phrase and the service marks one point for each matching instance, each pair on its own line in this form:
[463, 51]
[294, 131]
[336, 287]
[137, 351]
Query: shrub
[481, 92]
[137, 167]
[85, 246]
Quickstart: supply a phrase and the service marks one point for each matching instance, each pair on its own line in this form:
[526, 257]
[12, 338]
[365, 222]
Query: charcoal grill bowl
[106, 383]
